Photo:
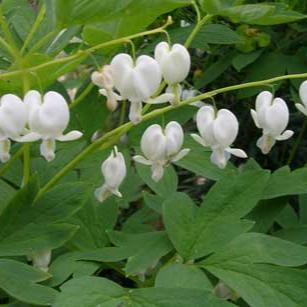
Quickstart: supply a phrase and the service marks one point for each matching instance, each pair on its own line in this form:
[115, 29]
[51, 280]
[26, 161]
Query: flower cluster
[139, 80]
[34, 118]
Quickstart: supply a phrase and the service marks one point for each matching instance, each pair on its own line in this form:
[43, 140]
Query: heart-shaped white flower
[218, 131]
[135, 81]
[48, 117]
[13, 118]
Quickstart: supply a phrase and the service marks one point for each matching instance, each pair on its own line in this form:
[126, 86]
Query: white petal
[301, 108]
[219, 157]
[197, 138]
[5, 147]
[263, 102]
[174, 138]
[303, 92]
[70, 136]
[30, 137]
[41, 260]
[225, 128]
[255, 118]
[237, 152]
[166, 97]
[102, 193]
[142, 160]
[277, 117]
[204, 121]
[135, 112]
[181, 154]
[47, 149]
[157, 172]
[266, 143]
[153, 143]
[285, 136]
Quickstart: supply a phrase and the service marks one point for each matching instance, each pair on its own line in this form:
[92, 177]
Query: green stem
[37, 23]
[110, 137]
[85, 53]
[26, 164]
[297, 142]
[80, 98]
[8, 47]
[196, 29]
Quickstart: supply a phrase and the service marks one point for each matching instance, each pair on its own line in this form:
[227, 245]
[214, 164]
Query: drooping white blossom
[105, 80]
[218, 130]
[303, 96]
[48, 117]
[175, 64]
[272, 116]
[114, 172]
[161, 147]
[13, 118]
[41, 260]
[136, 81]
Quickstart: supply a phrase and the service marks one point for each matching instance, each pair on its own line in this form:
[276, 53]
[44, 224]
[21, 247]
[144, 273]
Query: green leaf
[284, 182]
[215, 6]
[263, 284]
[28, 228]
[92, 291]
[166, 186]
[179, 275]
[296, 234]
[147, 249]
[120, 18]
[259, 248]
[244, 59]
[20, 281]
[198, 232]
[198, 161]
[261, 14]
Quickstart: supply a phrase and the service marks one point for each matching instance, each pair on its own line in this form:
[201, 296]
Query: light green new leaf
[20, 281]
[28, 228]
[96, 291]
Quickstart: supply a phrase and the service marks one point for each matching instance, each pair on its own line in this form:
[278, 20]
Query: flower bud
[272, 116]
[48, 117]
[13, 118]
[161, 147]
[114, 172]
[41, 260]
[136, 81]
[104, 80]
[303, 96]
[175, 62]
[218, 131]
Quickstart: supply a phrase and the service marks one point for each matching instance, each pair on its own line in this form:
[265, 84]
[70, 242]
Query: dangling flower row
[138, 80]
[32, 119]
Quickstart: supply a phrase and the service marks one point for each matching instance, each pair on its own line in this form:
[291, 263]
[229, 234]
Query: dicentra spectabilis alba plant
[13, 118]
[41, 260]
[48, 117]
[272, 116]
[114, 172]
[161, 147]
[175, 64]
[303, 96]
[136, 81]
[218, 130]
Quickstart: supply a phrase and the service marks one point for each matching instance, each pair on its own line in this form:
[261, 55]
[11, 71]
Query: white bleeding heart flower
[41, 260]
[48, 117]
[218, 131]
[137, 81]
[303, 96]
[114, 172]
[272, 116]
[13, 119]
[161, 147]
[175, 63]
[104, 80]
